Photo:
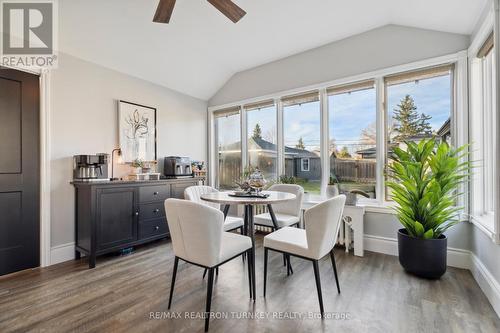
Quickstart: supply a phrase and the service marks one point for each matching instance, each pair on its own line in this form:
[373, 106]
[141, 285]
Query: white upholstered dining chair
[198, 238]
[194, 193]
[287, 213]
[322, 224]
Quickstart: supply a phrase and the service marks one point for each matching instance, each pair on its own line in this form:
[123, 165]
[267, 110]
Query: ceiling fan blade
[228, 8]
[164, 11]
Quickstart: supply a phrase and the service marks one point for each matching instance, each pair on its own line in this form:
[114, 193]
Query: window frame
[379, 204]
[251, 107]
[302, 160]
[417, 73]
[235, 110]
[483, 91]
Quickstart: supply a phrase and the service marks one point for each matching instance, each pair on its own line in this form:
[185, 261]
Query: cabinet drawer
[151, 210]
[154, 193]
[152, 228]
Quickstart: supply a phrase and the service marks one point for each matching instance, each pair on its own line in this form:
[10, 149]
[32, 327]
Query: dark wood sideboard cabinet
[111, 216]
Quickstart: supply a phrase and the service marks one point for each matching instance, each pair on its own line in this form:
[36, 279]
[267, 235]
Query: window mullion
[380, 139]
[324, 149]
[244, 139]
[280, 140]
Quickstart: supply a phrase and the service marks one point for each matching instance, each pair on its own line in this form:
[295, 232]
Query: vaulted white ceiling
[201, 49]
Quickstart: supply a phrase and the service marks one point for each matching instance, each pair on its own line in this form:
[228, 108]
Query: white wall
[380, 48]
[387, 225]
[84, 121]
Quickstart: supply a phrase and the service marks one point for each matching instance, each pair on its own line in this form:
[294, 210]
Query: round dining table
[227, 199]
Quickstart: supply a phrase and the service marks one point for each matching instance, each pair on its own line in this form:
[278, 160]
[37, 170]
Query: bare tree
[369, 134]
[270, 135]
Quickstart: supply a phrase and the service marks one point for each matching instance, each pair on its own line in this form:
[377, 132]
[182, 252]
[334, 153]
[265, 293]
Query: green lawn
[313, 187]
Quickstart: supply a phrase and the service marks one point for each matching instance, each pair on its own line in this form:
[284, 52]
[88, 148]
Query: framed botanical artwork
[137, 131]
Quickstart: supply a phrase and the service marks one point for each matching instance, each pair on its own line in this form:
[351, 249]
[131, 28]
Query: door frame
[44, 160]
[45, 172]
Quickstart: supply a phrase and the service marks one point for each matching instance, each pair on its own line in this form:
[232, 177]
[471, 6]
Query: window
[305, 164]
[262, 138]
[418, 107]
[353, 136]
[483, 134]
[302, 133]
[228, 151]
[356, 124]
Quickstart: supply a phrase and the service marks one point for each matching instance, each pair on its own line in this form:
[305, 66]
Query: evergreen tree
[300, 144]
[408, 122]
[257, 132]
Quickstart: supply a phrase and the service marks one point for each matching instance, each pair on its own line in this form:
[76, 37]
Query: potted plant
[137, 166]
[425, 178]
[332, 189]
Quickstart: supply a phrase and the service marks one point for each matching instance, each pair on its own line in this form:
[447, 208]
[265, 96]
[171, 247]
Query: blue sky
[349, 113]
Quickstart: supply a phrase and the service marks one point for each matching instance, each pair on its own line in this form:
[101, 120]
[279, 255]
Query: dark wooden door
[117, 216]
[19, 171]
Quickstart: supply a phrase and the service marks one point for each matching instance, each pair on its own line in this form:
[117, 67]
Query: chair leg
[284, 259]
[242, 232]
[289, 269]
[249, 273]
[172, 285]
[254, 282]
[334, 265]
[266, 252]
[204, 273]
[318, 287]
[209, 297]
[217, 271]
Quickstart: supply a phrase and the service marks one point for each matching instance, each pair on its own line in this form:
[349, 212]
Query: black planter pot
[422, 257]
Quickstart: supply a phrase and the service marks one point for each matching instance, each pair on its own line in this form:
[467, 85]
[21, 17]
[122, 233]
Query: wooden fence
[350, 170]
[229, 171]
[353, 170]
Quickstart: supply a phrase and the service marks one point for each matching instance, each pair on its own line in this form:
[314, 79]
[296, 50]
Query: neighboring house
[442, 134]
[300, 163]
[445, 131]
[369, 153]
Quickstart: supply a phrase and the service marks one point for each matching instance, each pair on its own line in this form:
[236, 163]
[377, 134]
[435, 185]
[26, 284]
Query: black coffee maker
[90, 167]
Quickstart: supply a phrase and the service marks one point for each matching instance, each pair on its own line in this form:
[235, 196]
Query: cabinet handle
[157, 228]
[156, 210]
[155, 193]
[137, 213]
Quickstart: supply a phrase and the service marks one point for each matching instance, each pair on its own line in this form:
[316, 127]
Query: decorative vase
[425, 258]
[136, 170]
[256, 180]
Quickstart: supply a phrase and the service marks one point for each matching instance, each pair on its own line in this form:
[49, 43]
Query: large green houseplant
[425, 179]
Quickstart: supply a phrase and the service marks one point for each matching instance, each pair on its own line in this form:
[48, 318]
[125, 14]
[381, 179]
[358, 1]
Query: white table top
[224, 198]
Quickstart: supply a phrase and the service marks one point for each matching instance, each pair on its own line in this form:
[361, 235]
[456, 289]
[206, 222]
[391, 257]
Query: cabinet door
[178, 189]
[117, 216]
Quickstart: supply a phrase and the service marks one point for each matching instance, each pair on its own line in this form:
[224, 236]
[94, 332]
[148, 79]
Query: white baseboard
[489, 285]
[456, 257]
[379, 244]
[61, 253]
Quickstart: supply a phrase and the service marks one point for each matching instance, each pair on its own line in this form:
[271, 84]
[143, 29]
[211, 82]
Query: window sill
[486, 223]
[369, 205]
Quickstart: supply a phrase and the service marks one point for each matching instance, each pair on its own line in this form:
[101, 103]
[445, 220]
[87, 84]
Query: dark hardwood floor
[122, 294]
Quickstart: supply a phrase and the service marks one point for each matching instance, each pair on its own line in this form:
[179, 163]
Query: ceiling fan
[226, 7]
